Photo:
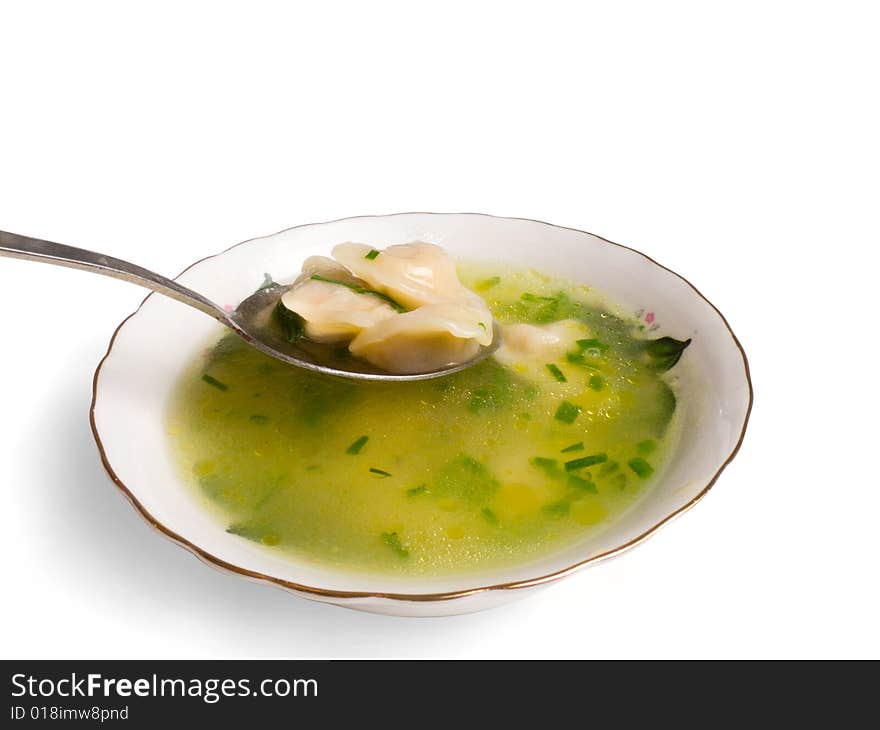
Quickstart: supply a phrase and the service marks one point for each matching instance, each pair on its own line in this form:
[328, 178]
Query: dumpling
[428, 338]
[328, 268]
[525, 344]
[363, 298]
[333, 313]
[413, 274]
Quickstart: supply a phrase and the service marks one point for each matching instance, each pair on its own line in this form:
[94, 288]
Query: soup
[509, 460]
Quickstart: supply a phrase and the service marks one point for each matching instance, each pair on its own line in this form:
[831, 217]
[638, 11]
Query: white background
[735, 143]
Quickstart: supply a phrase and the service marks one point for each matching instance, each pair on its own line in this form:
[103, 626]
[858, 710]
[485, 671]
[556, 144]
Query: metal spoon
[252, 320]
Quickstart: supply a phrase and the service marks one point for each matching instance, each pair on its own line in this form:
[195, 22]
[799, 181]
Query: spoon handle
[35, 249]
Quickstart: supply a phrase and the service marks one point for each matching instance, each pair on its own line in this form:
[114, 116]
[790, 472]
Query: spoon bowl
[252, 320]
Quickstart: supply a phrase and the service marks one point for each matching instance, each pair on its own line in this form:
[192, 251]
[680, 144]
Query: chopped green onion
[579, 446]
[548, 465]
[609, 468]
[585, 461]
[356, 446]
[665, 352]
[292, 325]
[487, 283]
[529, 297]
[584, 485]
[392, 540]
[596, 382]
[380, 472]
[415, 491]
[577, 358]
[249, 532]
[567, 412]
[556, 372]
[213, 381]
[489, 516]
[361, 290]
[372, 255]
[594, 347]
[257, 418]
[641, 467]
[557, 509]
[483, 325]
[646, 447]
[254, 533]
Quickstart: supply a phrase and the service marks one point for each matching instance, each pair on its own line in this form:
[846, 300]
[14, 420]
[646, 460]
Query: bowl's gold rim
[448, 595]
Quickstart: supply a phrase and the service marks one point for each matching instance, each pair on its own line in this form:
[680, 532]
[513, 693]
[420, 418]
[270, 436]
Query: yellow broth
[476, 470]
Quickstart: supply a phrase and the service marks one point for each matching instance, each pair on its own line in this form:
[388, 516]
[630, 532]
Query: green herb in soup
[503, 462]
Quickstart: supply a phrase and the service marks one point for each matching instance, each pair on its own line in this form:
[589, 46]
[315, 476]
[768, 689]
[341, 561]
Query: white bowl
[152, 346]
